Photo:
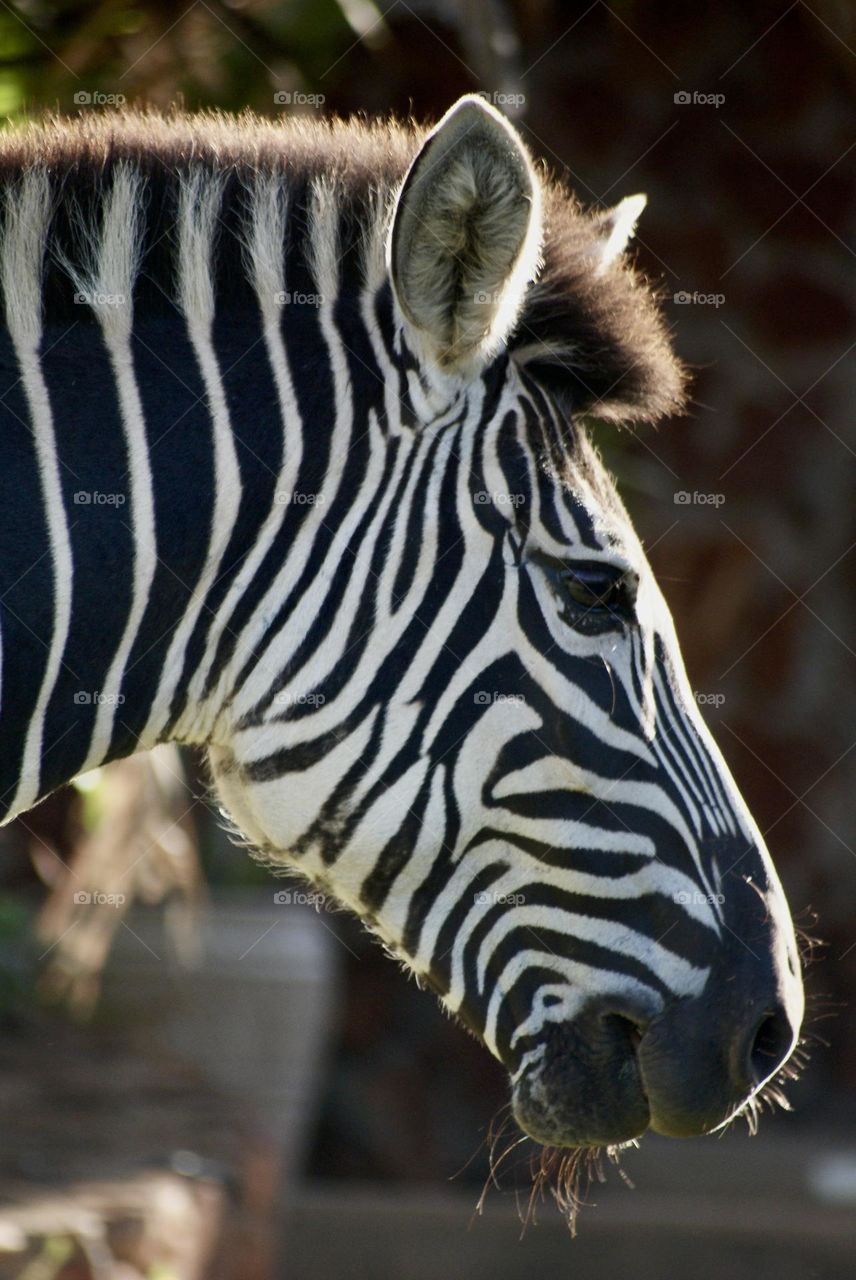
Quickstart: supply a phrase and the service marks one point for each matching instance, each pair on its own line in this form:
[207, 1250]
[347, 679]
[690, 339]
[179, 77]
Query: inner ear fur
[466, 236]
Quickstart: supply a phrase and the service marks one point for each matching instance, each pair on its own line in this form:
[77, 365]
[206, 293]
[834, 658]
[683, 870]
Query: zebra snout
[612, 1073]
[702, 1061]
[704, 1058]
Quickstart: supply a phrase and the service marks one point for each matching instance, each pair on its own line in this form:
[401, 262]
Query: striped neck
[154, 469]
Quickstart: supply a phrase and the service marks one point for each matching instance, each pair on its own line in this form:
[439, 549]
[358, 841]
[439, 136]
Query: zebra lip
[588, 1090]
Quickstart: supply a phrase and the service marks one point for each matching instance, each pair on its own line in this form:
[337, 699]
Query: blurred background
[202, 1075]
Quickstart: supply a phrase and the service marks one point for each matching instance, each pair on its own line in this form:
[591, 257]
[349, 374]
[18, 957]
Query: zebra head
[481, 737]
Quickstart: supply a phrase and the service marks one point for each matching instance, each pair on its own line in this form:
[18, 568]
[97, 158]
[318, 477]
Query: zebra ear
[616, 228]
[466, 236]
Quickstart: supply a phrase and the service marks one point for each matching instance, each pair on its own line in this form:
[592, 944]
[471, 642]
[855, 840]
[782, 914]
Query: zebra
[296, 466]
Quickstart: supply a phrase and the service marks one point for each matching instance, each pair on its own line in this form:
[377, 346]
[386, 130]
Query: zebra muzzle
[608, 1076]
[701, 1064]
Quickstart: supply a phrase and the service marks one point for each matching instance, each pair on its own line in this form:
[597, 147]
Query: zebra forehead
[594, 337]
[589, 492]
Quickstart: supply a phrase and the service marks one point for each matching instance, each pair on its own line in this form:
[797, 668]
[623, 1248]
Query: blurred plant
[138, 845]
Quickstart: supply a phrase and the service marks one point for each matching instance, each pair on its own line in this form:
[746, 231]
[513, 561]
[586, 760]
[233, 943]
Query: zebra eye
[596, 597]
[593, 590]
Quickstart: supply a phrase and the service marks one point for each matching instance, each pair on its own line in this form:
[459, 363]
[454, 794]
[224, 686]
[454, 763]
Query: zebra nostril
[631, 1030]
[768, 1046]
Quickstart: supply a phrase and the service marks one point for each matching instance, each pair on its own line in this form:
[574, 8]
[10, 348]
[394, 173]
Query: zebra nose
[616, 1070]
[700, 1064]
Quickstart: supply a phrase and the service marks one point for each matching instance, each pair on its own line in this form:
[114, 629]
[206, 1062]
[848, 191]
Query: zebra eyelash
[595, 597]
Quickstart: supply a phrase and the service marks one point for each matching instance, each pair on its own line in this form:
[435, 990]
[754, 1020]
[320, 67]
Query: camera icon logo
[682, 98]
[82, 898]
[82, 698]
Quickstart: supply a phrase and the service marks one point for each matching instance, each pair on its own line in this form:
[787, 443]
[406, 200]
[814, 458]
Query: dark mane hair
[597, 339]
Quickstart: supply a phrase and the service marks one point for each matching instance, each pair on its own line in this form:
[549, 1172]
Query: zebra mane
[596, 337]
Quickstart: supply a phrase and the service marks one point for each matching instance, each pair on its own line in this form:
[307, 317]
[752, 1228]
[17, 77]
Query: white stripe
[21, 270]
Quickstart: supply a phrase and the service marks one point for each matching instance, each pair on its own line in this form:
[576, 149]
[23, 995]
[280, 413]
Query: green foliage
[217, 54]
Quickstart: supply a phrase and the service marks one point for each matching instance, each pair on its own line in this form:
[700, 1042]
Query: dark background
[750, 218]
